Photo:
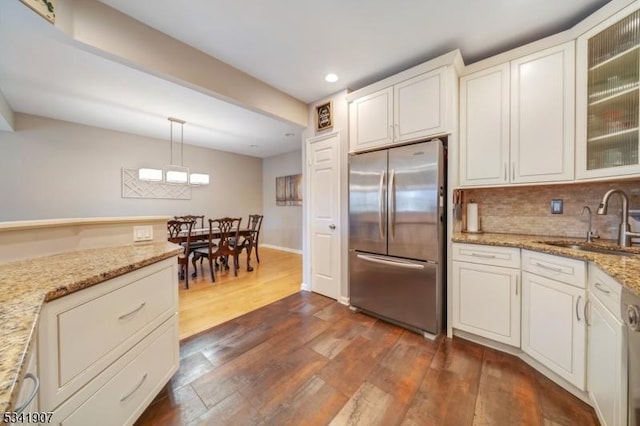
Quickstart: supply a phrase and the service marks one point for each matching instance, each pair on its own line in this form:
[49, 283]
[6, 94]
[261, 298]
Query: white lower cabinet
[566, 317]
[554, 327]
[135, 379]
[106, 351]
[607, 358]
[486, 298]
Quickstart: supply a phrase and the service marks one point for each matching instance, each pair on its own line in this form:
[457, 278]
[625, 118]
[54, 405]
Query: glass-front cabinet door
[608, 91]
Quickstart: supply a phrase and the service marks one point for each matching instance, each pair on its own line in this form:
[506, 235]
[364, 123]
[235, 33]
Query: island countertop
[626, 270]
[26, 284]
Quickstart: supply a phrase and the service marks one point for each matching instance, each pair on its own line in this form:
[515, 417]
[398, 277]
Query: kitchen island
[25, 285]
[76, 262]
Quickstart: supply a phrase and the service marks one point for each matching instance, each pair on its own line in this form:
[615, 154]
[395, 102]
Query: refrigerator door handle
[400, 264]
[392, 203]
[381, 205]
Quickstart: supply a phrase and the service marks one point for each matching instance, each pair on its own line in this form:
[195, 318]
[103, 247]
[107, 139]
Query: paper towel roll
[472, 217]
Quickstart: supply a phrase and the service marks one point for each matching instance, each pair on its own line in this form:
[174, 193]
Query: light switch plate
[556, 206]
[142, 233]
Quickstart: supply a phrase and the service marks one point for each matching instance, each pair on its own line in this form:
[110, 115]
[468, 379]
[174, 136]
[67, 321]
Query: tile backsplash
[527, 209]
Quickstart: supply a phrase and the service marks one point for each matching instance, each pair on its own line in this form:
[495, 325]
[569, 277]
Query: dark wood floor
[308, 360]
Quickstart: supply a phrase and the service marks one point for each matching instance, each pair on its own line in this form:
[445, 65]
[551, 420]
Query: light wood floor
[207, 304]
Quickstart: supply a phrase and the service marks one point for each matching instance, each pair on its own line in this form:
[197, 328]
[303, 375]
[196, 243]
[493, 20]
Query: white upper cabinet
[371, 120]
[410, 110]
[608, 71]
[542, 115]
[484, 136]
[419, 106]
[517, 120]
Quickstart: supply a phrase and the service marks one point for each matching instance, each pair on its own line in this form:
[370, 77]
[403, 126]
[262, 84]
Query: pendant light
[174, 173]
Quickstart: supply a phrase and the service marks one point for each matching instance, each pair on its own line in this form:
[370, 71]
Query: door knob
[332, 227]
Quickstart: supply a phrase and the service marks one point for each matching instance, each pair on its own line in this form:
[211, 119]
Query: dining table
[202, 234]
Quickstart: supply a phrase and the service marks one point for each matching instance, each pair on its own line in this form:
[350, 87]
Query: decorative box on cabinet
[606, 354]
[486, 294]
[90, 338]
[607, 96]
[516, 120]
[554, 314]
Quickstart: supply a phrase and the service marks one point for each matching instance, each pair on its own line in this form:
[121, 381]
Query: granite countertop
[626, 270]
[26, 284]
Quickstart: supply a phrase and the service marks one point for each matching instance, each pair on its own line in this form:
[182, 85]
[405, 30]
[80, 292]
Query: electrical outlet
[556, 206]
[142, 233]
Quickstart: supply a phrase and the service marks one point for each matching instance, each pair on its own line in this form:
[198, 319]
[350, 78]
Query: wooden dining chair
[176, 230]
[198, 224]
[255, 223]
[224, 229]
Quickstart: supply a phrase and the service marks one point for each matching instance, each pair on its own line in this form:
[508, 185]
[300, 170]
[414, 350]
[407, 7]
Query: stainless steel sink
[584, 247]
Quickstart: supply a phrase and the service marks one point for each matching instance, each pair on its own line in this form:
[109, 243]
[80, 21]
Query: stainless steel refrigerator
[396, 225]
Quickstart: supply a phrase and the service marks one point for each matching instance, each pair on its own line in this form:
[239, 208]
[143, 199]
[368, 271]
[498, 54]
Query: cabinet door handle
[551, 268]
[586, 311]
[516, 285]
[577, 303]
[513, 171]
[381, 206]
[127, 396]
[123, 316]
[486, 256]
[600, 287]
[505, 172]
[34, 392]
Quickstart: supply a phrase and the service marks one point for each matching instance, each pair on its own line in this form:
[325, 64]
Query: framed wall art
[44, 8]
[289, 190]
[324, 116]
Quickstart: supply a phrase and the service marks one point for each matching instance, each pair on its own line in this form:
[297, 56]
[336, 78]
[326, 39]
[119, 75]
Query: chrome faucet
[590, 234]
[624, 232]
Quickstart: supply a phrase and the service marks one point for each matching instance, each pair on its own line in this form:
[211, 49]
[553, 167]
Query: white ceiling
[289, 44]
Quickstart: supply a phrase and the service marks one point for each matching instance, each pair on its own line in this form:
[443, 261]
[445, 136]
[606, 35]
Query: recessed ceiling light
[331, 78]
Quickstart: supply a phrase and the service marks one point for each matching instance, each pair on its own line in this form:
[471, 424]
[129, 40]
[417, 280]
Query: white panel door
[419, 106]
[543, 115]
[484, 124]
[324, 211]
[553, 326]
[370, 121]
[606, 377]
[486, 301]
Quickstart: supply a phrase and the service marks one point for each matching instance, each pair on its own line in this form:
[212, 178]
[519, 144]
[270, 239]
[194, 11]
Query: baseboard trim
[344, 300]
[290, 250]
[305, 287]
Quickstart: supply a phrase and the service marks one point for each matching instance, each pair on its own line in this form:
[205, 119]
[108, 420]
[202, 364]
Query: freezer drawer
[408, 292]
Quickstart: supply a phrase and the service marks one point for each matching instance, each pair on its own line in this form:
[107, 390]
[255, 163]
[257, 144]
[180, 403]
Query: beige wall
[282, 225]
[57, 169]
[527, 210]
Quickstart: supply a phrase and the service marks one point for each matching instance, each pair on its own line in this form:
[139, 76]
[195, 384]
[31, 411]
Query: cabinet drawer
[92, 329]
[125, 389]
[487, 255]
[606, 289]
[83, 333]
[569, 271]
